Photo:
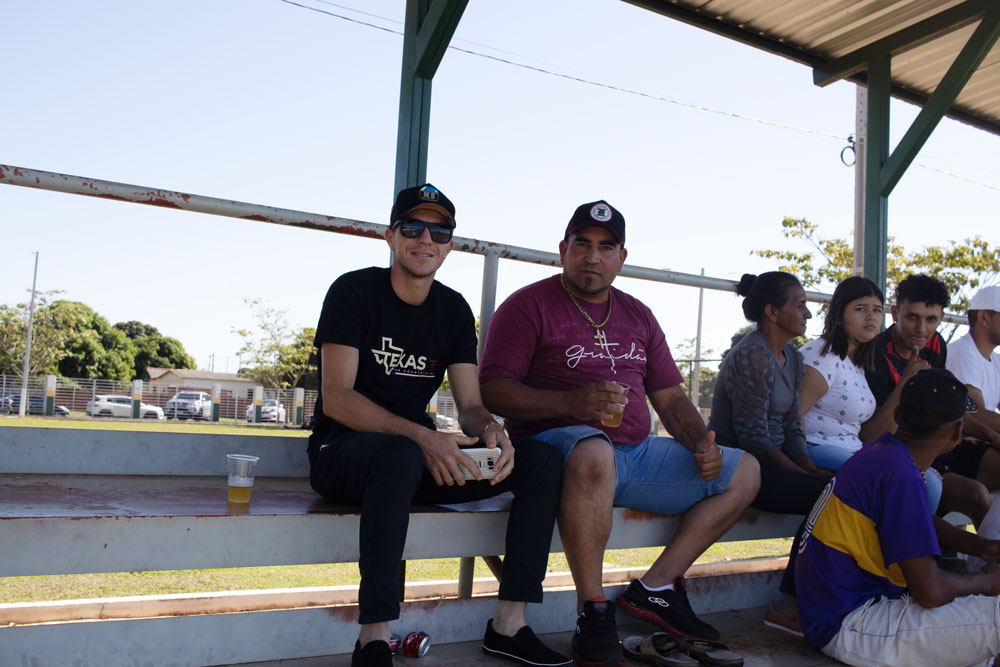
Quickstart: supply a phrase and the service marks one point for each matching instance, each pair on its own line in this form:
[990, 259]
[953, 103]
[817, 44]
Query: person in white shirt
[974, 360]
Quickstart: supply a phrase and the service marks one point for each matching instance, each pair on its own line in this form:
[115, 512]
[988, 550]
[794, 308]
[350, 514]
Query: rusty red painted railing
[150, 196]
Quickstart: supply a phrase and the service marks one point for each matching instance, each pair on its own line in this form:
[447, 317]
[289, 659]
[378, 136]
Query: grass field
[77, 586]
[69, 587]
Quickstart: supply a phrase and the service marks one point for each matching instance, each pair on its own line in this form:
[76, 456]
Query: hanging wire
[698, 107]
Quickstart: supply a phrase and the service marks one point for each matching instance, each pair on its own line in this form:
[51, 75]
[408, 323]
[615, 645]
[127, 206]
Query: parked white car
[270, 411]
[121, 406]
[189, 405]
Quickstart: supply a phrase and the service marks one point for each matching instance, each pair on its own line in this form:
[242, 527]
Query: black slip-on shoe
[524, 647]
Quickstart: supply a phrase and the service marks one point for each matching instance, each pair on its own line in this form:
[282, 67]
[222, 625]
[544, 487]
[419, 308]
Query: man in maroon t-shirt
[572, 361]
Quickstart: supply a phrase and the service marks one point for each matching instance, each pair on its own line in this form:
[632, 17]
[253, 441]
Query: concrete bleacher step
[759, 645]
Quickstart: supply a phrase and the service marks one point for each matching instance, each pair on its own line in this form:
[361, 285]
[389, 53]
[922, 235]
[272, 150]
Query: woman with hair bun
[756, 408]
[756, 402]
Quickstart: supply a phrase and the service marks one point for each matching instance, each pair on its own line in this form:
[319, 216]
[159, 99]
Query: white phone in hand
[485, 458]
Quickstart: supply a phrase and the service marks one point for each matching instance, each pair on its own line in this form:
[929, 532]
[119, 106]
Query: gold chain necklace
[599, 336]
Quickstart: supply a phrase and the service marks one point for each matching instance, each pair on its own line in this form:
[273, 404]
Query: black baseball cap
[931, 398]
[425, 197]
[598, 214]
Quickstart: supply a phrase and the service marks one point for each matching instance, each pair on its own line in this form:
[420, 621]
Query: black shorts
[964, 459]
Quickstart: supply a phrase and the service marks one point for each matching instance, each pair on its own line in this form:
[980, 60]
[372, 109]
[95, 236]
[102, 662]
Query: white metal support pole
[23, 407]
[488, 301]
[696, 380]
[860, 162]
[487, 305]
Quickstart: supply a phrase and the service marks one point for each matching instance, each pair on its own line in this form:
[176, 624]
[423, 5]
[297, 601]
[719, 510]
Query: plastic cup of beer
[615, 420]
[241, 476]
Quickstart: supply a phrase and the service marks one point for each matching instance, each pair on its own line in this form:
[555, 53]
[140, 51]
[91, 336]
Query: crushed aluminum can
[416, 644]
[394, 642]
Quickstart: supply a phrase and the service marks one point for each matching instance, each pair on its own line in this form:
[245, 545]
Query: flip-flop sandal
[657, 649]
[712, 653]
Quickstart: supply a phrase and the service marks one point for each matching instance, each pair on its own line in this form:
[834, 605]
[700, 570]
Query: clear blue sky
[266, 102]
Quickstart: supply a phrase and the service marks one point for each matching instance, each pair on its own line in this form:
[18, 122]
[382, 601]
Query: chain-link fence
[10, 394]
[236, 404]
[76, 393]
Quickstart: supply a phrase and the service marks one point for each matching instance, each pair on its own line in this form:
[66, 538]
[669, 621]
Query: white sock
[668, 587]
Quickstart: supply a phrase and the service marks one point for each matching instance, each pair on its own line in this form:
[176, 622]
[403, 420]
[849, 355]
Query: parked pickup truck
[189, 405]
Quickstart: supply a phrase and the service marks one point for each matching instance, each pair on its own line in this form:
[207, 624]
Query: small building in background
[169, 380]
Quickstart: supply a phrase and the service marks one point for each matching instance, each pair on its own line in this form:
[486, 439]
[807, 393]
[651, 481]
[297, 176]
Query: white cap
[987, 298]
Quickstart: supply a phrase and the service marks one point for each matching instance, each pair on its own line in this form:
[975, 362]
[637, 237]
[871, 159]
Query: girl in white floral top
[838, 409]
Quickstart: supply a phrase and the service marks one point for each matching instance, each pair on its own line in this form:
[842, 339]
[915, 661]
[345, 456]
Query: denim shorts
[656, 475]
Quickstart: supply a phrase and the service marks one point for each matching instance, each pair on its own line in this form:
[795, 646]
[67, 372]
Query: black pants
[785, 491]
[385, 475]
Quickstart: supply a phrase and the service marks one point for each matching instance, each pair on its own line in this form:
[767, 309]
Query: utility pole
[22, 408]
[860, 164]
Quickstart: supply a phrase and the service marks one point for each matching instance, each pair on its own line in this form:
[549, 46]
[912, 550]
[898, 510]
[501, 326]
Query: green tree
[684, 355]
[299, 357]
[135, 329]
[798, 341]
[964, 266]
[153, 348]
[47, 338]
[92, 347]
[160, 351]
[276, 354]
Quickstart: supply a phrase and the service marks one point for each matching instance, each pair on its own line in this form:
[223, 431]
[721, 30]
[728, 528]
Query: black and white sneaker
[524, 647]
[668, 610]
[595, 643]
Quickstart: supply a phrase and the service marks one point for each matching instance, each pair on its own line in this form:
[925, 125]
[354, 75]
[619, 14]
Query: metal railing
[140, 194]
[492, 252]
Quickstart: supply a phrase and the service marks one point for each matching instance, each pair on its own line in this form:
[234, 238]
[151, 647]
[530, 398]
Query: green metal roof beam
[876, 237]
[907, 38]
[970, 57]
[435, 34]
[429, 26]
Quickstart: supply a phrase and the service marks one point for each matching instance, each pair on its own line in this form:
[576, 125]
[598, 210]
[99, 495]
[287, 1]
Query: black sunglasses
[414, 229]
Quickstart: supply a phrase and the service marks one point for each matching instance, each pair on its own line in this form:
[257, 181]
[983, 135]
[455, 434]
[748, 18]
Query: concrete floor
[759, 645]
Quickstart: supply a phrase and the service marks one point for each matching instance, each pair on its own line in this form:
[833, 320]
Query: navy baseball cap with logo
[598, 214]
[422, 197]
[931, 398]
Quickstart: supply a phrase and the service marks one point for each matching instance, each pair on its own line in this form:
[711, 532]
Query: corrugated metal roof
[817, 32]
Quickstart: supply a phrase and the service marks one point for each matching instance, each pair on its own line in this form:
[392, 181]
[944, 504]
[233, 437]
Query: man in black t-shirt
[386, 338]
